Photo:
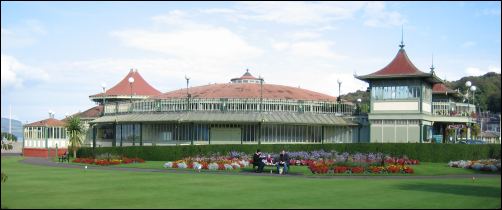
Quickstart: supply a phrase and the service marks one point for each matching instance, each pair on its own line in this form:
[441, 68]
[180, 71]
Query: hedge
[422, 152]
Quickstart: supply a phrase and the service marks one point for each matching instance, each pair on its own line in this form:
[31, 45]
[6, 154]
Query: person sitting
[283, 162]
[258, 161]
[269, 160]
[64, 157]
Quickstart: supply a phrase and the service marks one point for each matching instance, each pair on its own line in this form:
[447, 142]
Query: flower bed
[478, 165]
[211, 163]
[358, 163]
[105, 162]
[318, 162]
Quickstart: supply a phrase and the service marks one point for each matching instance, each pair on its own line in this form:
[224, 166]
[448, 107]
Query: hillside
[17, 128]
[487, 94]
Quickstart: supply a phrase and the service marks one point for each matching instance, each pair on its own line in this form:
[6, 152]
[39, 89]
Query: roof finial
[402, 37]
[247, 70]
[432, 66]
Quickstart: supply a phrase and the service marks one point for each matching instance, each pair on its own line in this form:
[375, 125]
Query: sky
[56, 54]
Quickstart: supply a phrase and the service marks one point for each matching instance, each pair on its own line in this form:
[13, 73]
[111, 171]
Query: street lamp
[468, 84]
[473, 90]
[339, 86]
[103, 85]
[359, 106]
[188, 95]
[261, 92]
[131, 80]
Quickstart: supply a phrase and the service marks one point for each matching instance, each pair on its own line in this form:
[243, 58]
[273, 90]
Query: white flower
[236, 165]
[228, 167]
[213, 166]
[182, 165]
[168, 165]
[245, 163]
[197, 166]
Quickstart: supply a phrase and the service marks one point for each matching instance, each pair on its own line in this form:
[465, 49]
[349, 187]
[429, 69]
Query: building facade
[45, 138]
[408, 105]
[244, 111]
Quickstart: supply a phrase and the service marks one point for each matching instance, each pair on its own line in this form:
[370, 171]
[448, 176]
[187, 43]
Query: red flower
[221, 166]
[357, 169]
[393, 168]
[175, 165]
[205, 165]
[340, 169]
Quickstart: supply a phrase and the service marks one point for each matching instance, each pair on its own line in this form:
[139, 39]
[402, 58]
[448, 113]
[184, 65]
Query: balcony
[452, 109]
[223, 105]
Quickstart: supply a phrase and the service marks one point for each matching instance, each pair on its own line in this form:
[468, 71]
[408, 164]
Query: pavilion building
[244, 111]
[408, 105]
[45, 138]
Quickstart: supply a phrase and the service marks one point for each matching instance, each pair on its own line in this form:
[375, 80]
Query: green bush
[422, 152]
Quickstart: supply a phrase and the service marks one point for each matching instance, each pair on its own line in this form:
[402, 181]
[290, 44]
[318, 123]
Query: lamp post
[339, 87]
[261, 92]
[359, 106]
[473, 90]
[188, 94]
[103, 85]
[468, 84]
[131, 80]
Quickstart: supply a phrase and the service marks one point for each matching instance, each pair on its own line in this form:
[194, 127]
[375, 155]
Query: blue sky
[54, 55]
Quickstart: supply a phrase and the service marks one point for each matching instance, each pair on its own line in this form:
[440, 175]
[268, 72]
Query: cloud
[475, 71]
[468, 44]
[23, 35]
[376, 16]
[308, 49]
[15, 74]
[299, 13]
[208, 42]
[491, 12]
[494, 69]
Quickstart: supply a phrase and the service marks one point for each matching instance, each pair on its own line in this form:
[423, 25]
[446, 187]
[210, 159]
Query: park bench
[64, 157]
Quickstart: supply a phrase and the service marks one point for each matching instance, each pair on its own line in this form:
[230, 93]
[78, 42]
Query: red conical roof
[139, 87]
[400, 67]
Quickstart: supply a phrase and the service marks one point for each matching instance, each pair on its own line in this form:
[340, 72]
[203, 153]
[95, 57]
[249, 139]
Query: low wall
[42, 153]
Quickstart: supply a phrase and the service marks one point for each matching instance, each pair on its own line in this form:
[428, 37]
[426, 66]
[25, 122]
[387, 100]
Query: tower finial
[402, 37]
[432, 65]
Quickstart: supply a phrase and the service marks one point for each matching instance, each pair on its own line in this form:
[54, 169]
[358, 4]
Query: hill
[17, 128]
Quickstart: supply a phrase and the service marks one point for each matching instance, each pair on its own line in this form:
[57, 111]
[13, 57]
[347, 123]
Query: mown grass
[30, 186]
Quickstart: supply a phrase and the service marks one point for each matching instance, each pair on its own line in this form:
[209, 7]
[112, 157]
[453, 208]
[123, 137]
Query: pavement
[46, 162]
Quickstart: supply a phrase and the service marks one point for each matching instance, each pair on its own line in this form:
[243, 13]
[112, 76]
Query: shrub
[423, 152]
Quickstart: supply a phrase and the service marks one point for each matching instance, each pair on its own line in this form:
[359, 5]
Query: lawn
[31, 186]
[423, 169]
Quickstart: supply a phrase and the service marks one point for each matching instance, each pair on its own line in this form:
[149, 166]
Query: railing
[224, 104]
[453, 109]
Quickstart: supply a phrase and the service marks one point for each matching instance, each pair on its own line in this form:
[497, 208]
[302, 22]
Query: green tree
[475, 130]
[76, 131]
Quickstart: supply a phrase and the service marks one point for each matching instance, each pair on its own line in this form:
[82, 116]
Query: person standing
[283, 162]
[258, 161]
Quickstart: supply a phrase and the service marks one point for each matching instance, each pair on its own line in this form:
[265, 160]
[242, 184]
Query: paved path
[45, 162]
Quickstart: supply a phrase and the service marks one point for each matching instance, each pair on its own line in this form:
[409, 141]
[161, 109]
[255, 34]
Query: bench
[63, 157]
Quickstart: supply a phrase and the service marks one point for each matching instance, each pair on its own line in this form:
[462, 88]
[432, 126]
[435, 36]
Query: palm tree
[75, 130]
